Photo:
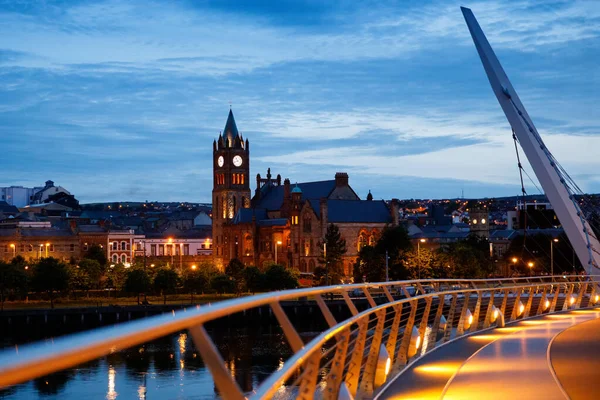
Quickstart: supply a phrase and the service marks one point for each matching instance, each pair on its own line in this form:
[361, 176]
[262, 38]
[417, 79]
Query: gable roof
[6, 208]
[244, 215]
[272, 198]
[357, 211]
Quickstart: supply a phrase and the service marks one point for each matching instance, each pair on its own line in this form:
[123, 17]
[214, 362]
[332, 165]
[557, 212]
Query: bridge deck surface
[512, 362]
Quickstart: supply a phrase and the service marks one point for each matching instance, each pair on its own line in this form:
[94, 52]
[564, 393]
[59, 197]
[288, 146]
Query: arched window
[372, 240]
[306, 221]
[123, 258]
[224, 206]
[123, 245]
[311, 266]
[248, 245]
[115, 258]
[306, 247]
[362, 240]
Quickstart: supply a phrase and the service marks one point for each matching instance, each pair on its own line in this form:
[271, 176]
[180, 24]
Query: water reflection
[169, 367]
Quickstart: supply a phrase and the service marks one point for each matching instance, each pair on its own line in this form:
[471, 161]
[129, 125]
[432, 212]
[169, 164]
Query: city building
[285, 223]
[18, 196]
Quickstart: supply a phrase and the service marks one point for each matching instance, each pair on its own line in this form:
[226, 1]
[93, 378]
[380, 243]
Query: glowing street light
[194, 267]
[530, 264]
[278, 243]
[12, 245]
[552, 255]
[419, 255]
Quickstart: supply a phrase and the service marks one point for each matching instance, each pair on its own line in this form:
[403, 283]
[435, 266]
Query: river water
[168, 368]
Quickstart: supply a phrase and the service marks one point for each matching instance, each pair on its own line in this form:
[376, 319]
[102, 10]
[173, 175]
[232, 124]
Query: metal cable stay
[392, 323]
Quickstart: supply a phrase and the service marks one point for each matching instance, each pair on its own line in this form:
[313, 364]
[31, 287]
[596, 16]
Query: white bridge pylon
[563, 201]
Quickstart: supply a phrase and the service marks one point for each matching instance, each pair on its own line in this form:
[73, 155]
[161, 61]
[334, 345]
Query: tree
[370, 263]
[419, 263]
[78, 279]
[138, 282]
[95, 252]
[222, 283]
[93, 269]
[50, 275]
[166, 280]
[332, 249]
[235, 270]
[196, 281]
[254, 279]
[278, 277]
[12, 279]
[117, 275]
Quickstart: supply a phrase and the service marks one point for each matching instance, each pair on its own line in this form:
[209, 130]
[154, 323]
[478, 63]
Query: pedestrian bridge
[419, 339]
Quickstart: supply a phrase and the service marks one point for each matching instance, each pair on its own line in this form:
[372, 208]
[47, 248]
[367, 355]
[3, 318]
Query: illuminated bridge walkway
[494, 338]
[549, 357]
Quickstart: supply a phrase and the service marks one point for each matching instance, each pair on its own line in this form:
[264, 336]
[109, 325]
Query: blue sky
[121, 100]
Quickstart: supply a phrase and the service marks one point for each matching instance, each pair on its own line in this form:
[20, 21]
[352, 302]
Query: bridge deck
[513, 362]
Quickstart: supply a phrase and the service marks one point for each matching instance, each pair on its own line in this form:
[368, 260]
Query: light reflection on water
[169, 368]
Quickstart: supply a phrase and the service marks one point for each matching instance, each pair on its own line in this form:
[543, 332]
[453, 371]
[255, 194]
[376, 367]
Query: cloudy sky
[121, 100]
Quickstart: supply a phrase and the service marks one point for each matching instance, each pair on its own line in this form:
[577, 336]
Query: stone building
[284, 222]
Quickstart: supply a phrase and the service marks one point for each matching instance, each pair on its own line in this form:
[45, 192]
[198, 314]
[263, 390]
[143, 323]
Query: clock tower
[231, 187]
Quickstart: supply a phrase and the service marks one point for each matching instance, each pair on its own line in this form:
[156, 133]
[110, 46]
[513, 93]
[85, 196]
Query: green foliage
[536, 248]
[278, 277]
[370, 263]
[235, 270]
[222, 284]
[79, 279]
[332, 248]
[467, 259]
[95, 252]
[137, 282]
[166, 281]
[254, 279]
[12, 280]
[93, 269]
[50, 275]
[196, 281]
[116, 276]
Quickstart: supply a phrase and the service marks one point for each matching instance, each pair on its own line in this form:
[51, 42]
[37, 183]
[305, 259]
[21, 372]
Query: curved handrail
[34, 360]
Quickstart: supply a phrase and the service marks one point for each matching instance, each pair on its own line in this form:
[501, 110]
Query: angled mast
[544, 165]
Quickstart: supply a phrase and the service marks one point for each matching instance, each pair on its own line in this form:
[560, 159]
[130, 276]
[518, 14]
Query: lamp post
[387, 279]
[552, 256]
[530, 265]
[514, 261]
[171, 249]
[277, 244]
[326, 263]
[419, 255]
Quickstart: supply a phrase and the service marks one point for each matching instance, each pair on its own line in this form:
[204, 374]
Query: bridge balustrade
[352, 358]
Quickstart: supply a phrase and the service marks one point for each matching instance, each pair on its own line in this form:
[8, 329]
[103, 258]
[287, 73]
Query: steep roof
[6, 208]
[272, 198]
[357, 211]
[231, 131]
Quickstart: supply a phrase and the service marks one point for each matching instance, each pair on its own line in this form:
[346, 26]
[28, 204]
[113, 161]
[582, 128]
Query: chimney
[323, 209]
[394, 206]
[278, 180]
[286, 188]
[341, 179]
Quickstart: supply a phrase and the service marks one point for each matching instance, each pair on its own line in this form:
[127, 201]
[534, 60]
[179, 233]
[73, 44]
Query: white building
[18, 196]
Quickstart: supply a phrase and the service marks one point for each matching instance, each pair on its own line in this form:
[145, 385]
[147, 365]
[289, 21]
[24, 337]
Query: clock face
[220, 161]
[237, 161]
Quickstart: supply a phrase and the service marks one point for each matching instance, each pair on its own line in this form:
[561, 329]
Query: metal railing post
[432, 340]
[566, 304]
[488, 314]
[450, 320]
[475, 324]
[529, 302]
[368, 376]
[227, 386]
[582, 291]
[542, 304]
[336, 372]
[393, 337]
[403, 352]
[308, 380]
[555, 298]
[460, 328]
[288, 329]
[357, 356]
[515, 311]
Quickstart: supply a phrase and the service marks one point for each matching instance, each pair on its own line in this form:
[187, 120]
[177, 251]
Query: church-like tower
[231, 187]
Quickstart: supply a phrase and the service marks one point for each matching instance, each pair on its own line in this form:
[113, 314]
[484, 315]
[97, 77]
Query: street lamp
[194, 267]
[552, 255]
[530, 265]
[278, 243]
[170, 240]
[419, 255]
[14, 249]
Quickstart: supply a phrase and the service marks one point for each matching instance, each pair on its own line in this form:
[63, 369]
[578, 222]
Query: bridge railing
[400, 322]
